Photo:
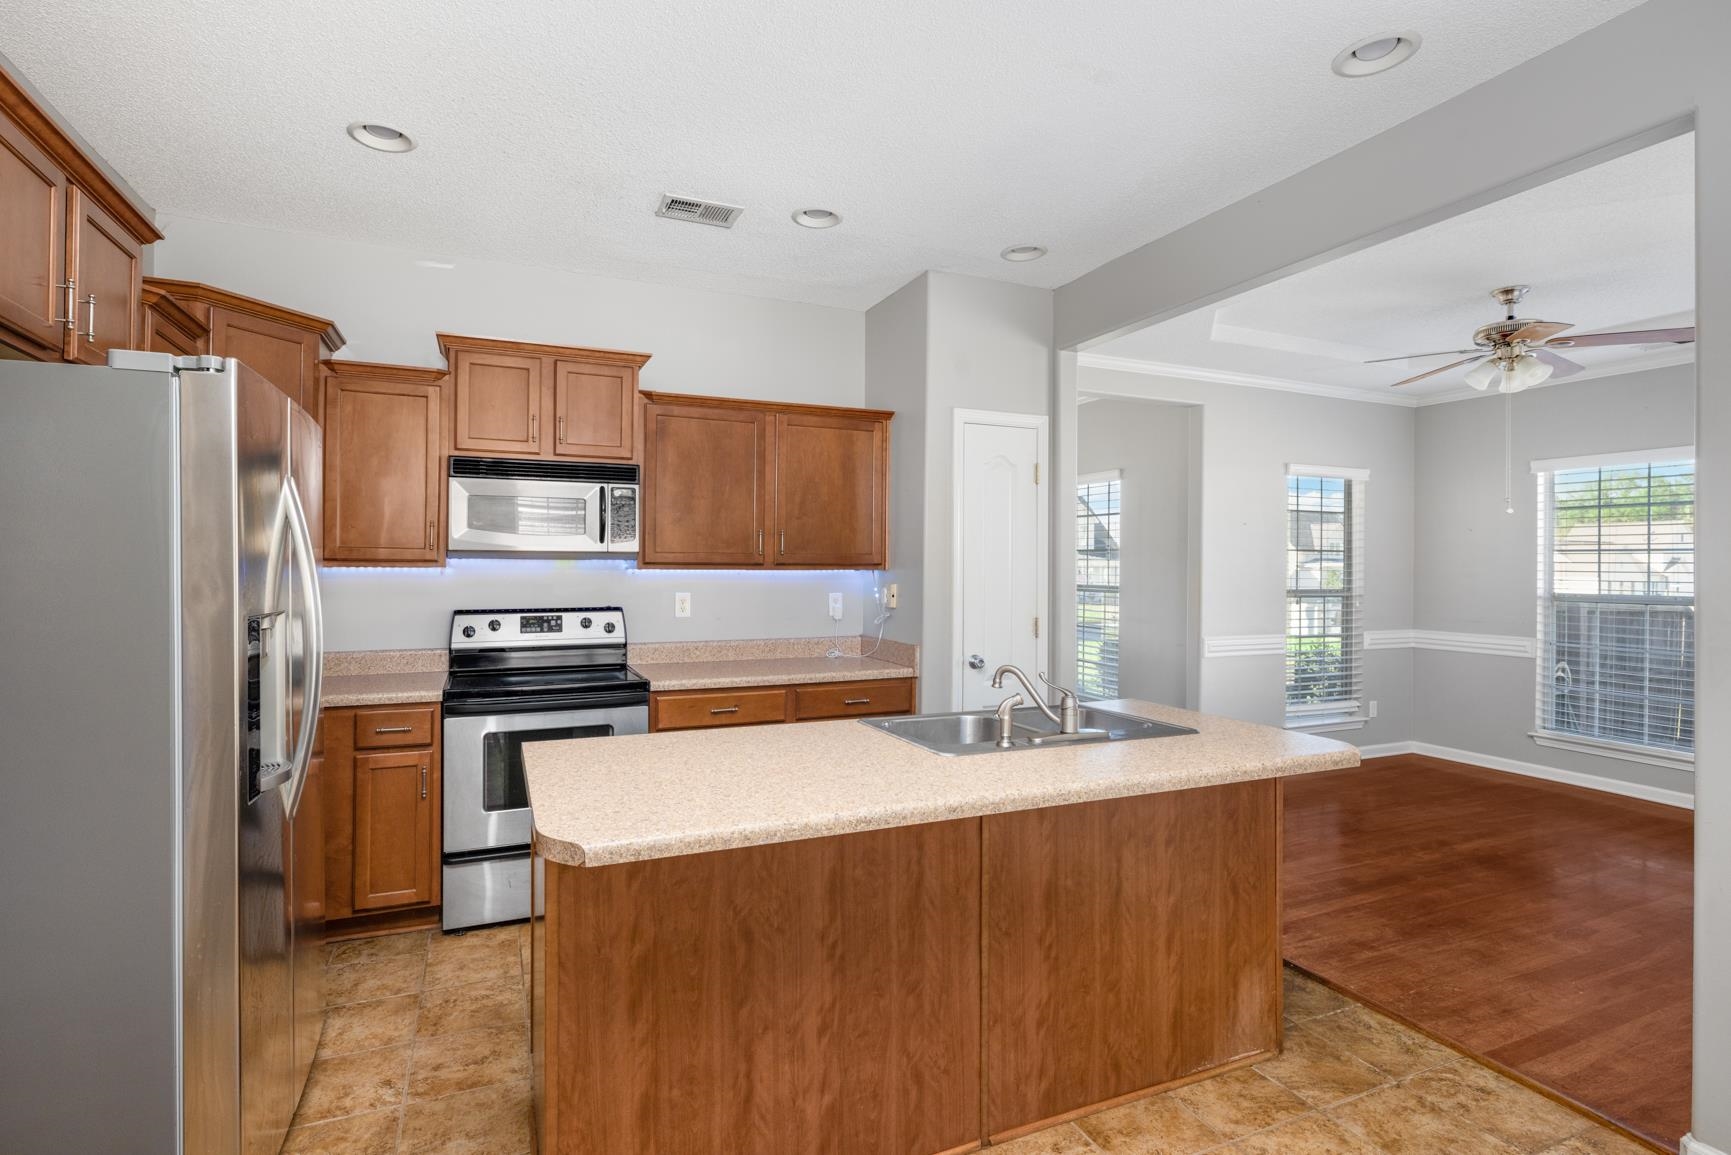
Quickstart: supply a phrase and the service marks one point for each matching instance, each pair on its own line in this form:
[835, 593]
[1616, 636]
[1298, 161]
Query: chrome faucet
[1066, 717]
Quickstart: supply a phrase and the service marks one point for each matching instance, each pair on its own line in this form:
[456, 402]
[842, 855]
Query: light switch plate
[835, 610]
[681, 605]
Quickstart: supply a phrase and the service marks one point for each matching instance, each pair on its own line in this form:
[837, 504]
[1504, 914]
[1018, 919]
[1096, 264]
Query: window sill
[1324, 725]
[1646, 755]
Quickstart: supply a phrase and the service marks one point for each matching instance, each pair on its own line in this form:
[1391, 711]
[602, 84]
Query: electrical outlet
[835, 606]
[1373, 707]
[890, 596]
[681, 605]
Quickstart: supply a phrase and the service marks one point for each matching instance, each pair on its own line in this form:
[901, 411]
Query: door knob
[975, 662]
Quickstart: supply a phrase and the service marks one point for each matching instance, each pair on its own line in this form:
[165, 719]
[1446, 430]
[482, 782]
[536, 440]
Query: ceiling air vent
[699, 212]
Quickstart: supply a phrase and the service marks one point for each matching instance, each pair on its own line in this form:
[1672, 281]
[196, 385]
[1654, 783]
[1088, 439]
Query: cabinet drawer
[381, 729]
[852, 699]
[703, 708]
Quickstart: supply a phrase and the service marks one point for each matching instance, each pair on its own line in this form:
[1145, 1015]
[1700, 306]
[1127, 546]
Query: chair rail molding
[1243, 645]
[1498, 645]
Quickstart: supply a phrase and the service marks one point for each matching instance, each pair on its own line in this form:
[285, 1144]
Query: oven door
[513, 514]
[486, 803]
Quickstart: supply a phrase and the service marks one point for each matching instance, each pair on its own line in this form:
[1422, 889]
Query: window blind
[1617, 602]
[1098, 498]
[1324, 595]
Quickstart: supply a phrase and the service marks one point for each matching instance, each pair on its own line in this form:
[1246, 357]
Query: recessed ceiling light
[1376, 54]
[381, 136]
[817, 218]
[1023, 253]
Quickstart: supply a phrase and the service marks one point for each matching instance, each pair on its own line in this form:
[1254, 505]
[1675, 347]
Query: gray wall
[1249, 436]
[1667, 58]
[895, 378]
[1476, 565]
[1148, 442]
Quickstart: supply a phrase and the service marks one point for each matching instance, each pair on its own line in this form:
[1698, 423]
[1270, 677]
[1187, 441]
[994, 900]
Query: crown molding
[1658, 359]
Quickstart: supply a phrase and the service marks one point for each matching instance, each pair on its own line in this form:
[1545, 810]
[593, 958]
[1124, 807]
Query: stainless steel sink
[976, 732]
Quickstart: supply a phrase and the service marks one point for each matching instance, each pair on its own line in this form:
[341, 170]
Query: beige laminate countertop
[728, 673]
[605, 800]
[386, 689]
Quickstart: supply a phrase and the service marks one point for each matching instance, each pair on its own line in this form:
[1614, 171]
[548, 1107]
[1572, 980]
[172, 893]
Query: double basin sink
[976, 732]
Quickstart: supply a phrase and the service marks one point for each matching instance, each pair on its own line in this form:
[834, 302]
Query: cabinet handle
[725, 710]
[856, 701]
[760, 543]
[535, 428]
[561, 433]
[429, 535]
[783, 549]
[392, 729]
[90, 333]
[70, 320]
[423, 779]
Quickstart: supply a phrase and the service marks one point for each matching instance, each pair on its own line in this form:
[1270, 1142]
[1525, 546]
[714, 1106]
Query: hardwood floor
[1541, 927]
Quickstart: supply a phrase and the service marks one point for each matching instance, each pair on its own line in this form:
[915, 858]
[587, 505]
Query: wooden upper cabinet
[739, 483]
[282, 345]
[67, 233]
[706, 476]
[108, 269]
[831, 500]
[169, 327]
[32, 242]
[384, 464]
[519, 399]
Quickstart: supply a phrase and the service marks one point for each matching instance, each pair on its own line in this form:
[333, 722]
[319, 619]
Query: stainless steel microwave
[498, 505]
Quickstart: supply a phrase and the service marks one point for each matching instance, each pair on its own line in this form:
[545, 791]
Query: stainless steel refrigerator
[160, 655]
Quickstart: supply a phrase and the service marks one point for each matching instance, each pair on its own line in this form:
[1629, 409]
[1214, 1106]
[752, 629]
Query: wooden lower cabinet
[913, 991]
[759, 705]
[382, 810]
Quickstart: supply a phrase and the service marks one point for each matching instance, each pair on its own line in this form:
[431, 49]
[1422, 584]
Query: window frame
[1333, 715]
[1545, 472]
[1105, 476]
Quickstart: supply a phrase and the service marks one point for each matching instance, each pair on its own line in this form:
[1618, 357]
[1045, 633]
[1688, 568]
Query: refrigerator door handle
[313, 639]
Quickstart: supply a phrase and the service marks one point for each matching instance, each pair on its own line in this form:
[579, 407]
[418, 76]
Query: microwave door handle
[604, 496]
[313, 639]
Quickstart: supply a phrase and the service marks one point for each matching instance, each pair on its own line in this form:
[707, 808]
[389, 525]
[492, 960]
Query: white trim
[1042, 531]
[1694, 1146]
[1244, 645]
[1677, 798]
[1344, 472]
[1658, 359]
[1100, 475]
[1623, 751]
[1496, 645]
[1672, 455]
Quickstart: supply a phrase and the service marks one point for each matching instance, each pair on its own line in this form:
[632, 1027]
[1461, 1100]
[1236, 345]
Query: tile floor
[425, 1051]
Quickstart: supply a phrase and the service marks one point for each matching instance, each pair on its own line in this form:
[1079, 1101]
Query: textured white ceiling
[1611, 247]
[942, 132]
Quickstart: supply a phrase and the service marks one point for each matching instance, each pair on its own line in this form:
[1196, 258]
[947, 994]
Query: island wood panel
[820, 995]
[1130, 944]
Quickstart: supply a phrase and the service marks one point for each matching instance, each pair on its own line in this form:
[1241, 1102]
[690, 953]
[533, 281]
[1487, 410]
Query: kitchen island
[821, 937]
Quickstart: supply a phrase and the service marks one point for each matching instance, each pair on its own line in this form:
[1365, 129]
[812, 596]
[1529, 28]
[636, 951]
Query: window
[1617, 601]
[1324, 596]
[1097, 522]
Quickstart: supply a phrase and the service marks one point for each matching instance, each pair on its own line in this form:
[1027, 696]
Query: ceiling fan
[1516, 353]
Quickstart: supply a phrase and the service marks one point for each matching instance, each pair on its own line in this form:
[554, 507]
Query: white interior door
[1000, 551]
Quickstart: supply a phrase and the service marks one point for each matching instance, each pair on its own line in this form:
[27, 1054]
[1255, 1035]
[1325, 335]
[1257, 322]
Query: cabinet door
[705, 486]
[831, 491]
[32, 242]
[383, 465]
[396, 848]
[285, 356]
[108, 266]
[498, 402]
[594, 410]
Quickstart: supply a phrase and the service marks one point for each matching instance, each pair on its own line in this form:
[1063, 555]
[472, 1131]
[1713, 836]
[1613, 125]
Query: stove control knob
[609, 627]
[468, 631]
[493, 625]
[586, 622]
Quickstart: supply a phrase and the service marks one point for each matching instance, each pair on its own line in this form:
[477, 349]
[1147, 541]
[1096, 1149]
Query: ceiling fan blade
[1422, 356]
[1680, 336]
[1560, 365]
[1537, 331]
[1434, 372]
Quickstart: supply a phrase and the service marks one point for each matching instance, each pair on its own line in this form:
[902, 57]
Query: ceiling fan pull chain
[1508, 452]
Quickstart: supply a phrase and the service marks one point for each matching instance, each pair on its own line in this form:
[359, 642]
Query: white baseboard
[1694, 1146]
[1533, 770]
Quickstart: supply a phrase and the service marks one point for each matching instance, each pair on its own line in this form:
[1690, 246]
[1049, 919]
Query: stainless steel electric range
[520, 676]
